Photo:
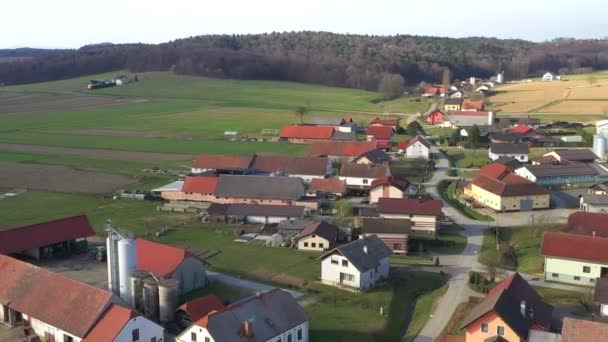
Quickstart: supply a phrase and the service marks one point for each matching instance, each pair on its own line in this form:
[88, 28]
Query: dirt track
[96, 153]
[59, 178]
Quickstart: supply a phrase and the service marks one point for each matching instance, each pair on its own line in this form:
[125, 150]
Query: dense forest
[357, 61]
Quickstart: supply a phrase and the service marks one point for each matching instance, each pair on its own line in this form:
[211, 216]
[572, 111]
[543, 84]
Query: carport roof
[37, 235]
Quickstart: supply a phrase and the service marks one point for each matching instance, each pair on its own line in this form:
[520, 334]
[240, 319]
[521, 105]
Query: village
[370, 204]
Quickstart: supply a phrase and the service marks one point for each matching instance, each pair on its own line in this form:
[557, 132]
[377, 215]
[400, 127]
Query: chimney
[247, 331]
[522, 308]
[365, 249]
[593, 233]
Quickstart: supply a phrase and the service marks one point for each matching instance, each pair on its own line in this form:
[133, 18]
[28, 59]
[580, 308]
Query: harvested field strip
[60, 178]
[60, 104]
[96, 153]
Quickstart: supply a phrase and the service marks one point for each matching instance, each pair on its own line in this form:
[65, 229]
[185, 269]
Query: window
[305, 244]
[586, 269]
[320, 244]
[347, 277]
[153, 339]
[555, 275]
[135, 335]
[67, 338]
[300, 334]
[500, 330]
[289, 339]
[345, 263]
[577, 278]
[313, 245]
[592, 280]
[193, 336]
[335, 262]
[364, 181]
[484, 327]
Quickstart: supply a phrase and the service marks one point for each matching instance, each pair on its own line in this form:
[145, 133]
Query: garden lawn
[414, 170]
[466, 158]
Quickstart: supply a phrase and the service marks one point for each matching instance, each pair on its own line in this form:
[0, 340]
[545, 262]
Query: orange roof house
[305, 134]
[205, 185]
[342, 149]
[472, 105]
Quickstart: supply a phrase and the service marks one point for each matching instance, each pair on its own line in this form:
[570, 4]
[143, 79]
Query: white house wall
[525, 173]
[567, 269]
[147, 330]
[330, 273]
[40, 328]
[417, 150]
[519, 156]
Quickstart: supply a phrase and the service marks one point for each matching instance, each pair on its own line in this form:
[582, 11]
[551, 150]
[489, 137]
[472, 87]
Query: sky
[73, 23]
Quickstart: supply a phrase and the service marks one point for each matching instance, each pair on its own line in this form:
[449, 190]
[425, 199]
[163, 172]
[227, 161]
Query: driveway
[248, 284]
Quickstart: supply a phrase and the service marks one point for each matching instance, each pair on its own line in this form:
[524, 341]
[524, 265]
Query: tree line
[355, 61]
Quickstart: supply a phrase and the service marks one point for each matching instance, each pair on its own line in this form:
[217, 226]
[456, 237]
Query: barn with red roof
[305, 134]
[381, 134]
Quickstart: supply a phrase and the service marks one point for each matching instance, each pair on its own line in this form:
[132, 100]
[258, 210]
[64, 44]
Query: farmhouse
[255, 213]
[386, 122]
[301, 134]
[342, 150]
[496, 187]
[472, 106]
[509, 312]
[381, 134]
[361, 176]
[327, 187]
[388, 187]
[594, 203]
[417, 147]
[583, 223]
[275, 190]
[452, 105]
[47, 239]
[435, 117]
[518, 151]
[359, 264]
[171, 262]
[318, 236]
[54, 307]
[267, 316]
[373, 157]
[574, 259]
[424, 214]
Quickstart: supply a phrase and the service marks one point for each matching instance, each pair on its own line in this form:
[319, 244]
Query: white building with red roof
[388, 187]
[417, 147]
[424, 213]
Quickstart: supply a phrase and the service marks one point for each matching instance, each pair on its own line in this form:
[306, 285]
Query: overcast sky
[73, 23]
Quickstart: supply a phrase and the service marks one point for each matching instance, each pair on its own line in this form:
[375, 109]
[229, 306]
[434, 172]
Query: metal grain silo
[127, 263]
[137, 290]
[150, 297]
[168, 299]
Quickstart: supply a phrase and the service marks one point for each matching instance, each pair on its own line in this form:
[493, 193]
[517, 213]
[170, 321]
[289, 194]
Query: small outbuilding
[318, 236]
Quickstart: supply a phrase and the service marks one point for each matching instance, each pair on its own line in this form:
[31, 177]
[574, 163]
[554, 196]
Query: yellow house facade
[507, 203]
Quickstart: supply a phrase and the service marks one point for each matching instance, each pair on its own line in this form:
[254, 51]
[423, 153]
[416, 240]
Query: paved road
[248, 284]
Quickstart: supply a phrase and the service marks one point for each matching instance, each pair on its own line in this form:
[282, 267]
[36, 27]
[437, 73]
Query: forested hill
[355, 61]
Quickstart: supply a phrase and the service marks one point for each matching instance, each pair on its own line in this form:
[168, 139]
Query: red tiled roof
[111, 323]
[407, 206]
[584, 223]
[158, 258]
[61, 302]
[572, 246]
[204, 185]
[380, 132]
[202, 306]
[306, 132]
[333, 185]
[43, 234]
[405, 144]
[210, 161]
[576, 330]
[494, 170]
[523, 129]
[476, 105]
[434, 89]
[398, 183]
[342, 148]
[509, 185]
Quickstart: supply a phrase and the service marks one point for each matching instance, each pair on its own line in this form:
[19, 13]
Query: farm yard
[576, 94]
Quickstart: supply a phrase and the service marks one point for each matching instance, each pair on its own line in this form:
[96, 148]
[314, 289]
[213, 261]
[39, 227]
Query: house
[598, 189]
[120, 324]
[330, 122]
[30, 298]
[526, 131]
[468, 119]
[359, 264]
[395, 233]
[594, 203]
[221, 163]
[386, 122]
[574, 330]
[417, 147]
[302, 134]
[344, 151]
[381, 134]
[289, 229]
[171, 263]
[267, 316]
[518, 151]
[574, 259]
[472, 106]
[306, 168]
[509, 312]
[423, 213]
[496, 187]
[56, 238]
[329, 186]
[273, 190]
[255, 213]
[452, 105]
[561, 174]
[373, 157]
[435, 117]
[437, 90]
[194, 310]
[388, 187]
[590, 224]
[548, 77]
[318, 236]
[361, 176]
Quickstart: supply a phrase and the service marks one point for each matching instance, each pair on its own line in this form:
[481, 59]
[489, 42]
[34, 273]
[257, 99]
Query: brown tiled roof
[376, 156]
[291, 165]
[111, 324]
[409, 206]
[51, 298]
[323, 229]
[494, 170]
[306, 132]
[202, 306]
[260, 187]
[476, 105]
[210, 161]
[578, 247]
[333, 185]
[505, 300]
[380, 132]
[584, 223]
[511, 185]
[397, 182]
[204, 185]
[43, 234]
[386, 226]
[363, 170]
[342, 148]
[577, 330]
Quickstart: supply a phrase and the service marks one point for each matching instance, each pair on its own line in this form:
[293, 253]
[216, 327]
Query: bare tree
[301, 111]
[392, 86]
